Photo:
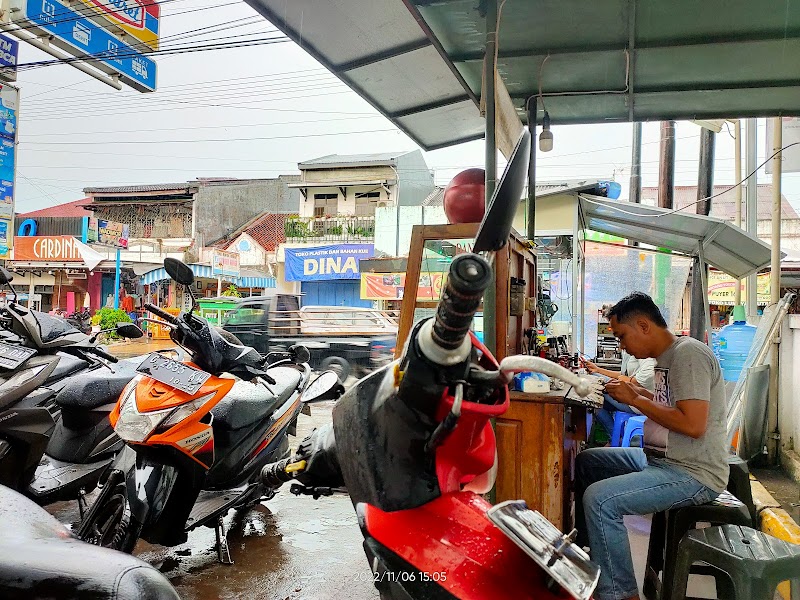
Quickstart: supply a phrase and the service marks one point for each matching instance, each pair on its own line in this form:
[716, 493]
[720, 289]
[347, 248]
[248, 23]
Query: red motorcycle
[413, 447]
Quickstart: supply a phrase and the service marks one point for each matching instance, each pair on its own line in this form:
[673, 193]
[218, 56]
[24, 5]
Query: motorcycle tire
[109, 522]
[338, 365]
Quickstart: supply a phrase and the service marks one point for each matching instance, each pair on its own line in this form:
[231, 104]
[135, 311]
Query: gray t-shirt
[688, 370]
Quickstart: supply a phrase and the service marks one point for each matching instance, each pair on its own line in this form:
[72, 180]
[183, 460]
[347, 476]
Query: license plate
[13, 356]
[173, 373]
[565, 562]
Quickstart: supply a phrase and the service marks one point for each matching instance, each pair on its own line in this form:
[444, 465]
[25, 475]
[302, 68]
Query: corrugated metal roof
[186, 188]
[332, 161]
[68, 209]
[419, 62]
[723, 206]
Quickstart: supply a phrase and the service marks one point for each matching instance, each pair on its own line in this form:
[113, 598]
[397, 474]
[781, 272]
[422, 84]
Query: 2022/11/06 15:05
[401, 576]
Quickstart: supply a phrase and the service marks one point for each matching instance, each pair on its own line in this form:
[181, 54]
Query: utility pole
[699, 325]
[666, 166]
[489, 300]
[635, 194]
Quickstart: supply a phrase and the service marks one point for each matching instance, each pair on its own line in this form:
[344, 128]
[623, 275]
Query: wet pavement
[288, 548]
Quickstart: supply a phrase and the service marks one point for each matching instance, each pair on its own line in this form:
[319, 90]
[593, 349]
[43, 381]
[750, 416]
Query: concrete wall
[346, 205]
[343, 175]
[223, 206]
[788, 394]
[255, 257]
[415, 179]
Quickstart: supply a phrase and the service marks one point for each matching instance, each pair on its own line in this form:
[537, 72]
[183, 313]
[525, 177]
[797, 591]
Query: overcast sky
[257, 112]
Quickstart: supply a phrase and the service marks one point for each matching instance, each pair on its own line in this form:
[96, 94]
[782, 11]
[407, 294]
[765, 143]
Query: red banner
[391, 286]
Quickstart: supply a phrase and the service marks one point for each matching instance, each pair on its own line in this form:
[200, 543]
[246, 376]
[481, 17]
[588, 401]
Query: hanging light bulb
[546, 137]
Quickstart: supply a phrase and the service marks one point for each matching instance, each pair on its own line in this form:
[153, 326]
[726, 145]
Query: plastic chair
[754, 562]
[633, 426]
[620, 418]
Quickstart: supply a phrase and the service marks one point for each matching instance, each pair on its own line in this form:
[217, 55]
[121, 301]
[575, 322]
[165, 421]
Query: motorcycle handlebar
[470, 275]
[103, 354]
[162, 314]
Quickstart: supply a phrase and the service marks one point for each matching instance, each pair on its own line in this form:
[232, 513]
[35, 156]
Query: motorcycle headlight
[132, 425]
[185, 410]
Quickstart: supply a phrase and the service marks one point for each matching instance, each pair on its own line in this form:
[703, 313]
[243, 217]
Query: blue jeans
[613, 482]
[605, 416]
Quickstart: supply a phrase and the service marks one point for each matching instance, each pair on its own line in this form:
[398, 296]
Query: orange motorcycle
[197, 434]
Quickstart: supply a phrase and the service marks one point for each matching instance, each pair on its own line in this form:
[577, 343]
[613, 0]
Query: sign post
[9, 105]
[224, 264]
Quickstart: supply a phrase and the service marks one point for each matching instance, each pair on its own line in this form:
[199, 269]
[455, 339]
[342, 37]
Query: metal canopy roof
[723, 246]
[419, 61]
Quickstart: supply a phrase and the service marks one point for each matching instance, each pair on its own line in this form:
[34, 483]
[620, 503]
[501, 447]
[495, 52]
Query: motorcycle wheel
[109, 523]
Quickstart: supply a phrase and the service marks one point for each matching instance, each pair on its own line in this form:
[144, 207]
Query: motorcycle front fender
[149, 487]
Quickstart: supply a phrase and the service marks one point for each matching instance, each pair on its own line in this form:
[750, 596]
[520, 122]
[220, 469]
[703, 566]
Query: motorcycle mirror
[5, 276]
[129, 330]
[325, 387]
[300, 353]
[179, 271]
[499, 217]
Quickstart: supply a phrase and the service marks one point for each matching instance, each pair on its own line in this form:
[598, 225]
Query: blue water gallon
[715, 344]
[734, 345]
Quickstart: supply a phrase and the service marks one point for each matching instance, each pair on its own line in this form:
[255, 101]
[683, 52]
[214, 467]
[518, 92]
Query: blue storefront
[329, 275]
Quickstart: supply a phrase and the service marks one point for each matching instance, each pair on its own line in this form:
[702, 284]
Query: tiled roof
[724, 206]
[267, 230]
[70, 209]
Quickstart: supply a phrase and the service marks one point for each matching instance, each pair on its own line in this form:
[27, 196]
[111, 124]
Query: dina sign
[322, 263]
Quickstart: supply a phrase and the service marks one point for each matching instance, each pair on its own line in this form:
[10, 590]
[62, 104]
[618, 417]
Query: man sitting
[635, 371]
[684, 461]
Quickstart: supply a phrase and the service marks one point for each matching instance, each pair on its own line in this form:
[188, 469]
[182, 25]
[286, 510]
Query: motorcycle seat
[99, 387]
[249, 402]
[67, 365]
[39, 558]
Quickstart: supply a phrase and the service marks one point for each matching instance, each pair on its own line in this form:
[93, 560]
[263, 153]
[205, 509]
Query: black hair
[635, 305]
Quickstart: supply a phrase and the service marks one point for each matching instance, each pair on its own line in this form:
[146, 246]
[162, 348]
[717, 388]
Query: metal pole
[751, 209]
[636, 165]
[116, 280]
[532, 110]
[489, 299]
[666, 167]
[698, 319]
[775, 288]
[737, 177]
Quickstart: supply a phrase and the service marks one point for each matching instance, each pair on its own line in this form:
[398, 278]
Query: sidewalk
[145, 345]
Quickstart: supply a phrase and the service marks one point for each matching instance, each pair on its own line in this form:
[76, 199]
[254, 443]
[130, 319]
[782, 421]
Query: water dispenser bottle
[734, 345]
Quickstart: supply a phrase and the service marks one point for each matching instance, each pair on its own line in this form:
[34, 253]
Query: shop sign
[224, 263]
[137, 18]
[9, 51]
[391, 286]
[71, 31]
[722, 289]
[55, 248]
[107, 233]
[324, 263]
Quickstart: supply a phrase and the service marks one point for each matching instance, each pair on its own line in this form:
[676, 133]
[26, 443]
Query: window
[366, 203]
[325, 204]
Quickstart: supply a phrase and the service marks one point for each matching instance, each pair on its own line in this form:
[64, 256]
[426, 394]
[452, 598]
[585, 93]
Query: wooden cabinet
[537, 440]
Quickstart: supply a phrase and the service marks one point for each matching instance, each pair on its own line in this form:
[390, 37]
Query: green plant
[108, 319]
[295, 229]
[335, 230]
[232, 291]
[95, 319]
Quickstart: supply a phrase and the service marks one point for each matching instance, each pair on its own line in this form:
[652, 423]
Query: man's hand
[591, 367]
[622, 391]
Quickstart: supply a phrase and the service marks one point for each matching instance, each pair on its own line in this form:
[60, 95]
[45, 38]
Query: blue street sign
[9, 50]
[83, 36]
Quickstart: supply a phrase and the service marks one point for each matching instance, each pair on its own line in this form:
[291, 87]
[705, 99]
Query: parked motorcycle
[413, 446]
[40, 559]
[196, 437]
[56, 392]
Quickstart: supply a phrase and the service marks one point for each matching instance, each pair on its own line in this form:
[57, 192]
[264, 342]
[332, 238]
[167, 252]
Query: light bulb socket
[546, 121]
